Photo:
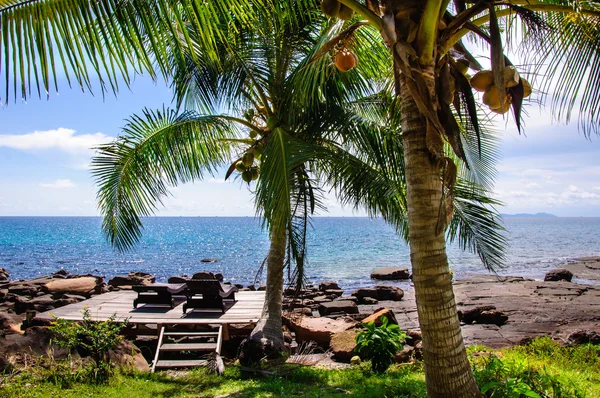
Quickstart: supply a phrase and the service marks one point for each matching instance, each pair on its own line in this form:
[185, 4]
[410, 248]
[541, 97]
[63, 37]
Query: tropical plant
[560, 38]
[379, 344]
[96, 338]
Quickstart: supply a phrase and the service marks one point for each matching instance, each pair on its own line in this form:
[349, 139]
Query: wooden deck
[245, 310]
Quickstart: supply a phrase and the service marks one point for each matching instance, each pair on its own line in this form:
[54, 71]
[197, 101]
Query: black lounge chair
[157, 293]
[208, 294]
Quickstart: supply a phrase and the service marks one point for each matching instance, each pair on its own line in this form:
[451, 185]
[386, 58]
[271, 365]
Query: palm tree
[109, 39]
[431, 88]
[296, 142]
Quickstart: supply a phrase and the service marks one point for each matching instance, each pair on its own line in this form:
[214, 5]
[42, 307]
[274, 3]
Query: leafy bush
[94, 338]
[516, 378]
[380, 344]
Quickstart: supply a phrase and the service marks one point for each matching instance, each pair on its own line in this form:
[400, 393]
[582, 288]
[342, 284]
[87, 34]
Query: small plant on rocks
[379, 344]
[94, 338]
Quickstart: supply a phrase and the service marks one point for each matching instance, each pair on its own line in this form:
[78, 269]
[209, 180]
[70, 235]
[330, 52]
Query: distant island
[524, 215]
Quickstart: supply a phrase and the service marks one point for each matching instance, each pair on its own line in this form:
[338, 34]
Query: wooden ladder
[165, 346]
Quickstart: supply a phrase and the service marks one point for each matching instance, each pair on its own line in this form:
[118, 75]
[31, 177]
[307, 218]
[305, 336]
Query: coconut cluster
[246, 165]
[483, 81]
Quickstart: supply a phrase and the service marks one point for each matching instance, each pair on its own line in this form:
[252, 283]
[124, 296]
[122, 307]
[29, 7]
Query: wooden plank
[188, 347]
[181, 363]
[160, 338]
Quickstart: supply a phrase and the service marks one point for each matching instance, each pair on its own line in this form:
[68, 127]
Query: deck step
[189, 347]
[180, 363]
[205, 334]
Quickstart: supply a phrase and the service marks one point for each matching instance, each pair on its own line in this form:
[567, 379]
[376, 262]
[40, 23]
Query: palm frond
[159, 149]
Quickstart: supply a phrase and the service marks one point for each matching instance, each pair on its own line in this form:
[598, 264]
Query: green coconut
[248, 159]
[247, 176]
[254, 171]
[239, 166]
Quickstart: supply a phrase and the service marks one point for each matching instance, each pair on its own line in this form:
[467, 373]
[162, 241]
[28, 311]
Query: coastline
[533, 308]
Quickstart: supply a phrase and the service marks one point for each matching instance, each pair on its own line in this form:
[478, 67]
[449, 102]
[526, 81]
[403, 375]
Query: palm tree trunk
[447, 369]
[266, 340]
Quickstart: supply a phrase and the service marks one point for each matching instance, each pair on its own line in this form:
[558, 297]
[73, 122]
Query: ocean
[340, 249]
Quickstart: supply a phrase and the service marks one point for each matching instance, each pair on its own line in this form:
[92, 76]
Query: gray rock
[368, 301]
[328, 286]
[132, 279]
[23, 289]
[584, 337]
[343, 306]
[390, 273]
[405, 355]
[559, 275]
[4, 274]
[334, 292]
[380, 292]
[177, 279]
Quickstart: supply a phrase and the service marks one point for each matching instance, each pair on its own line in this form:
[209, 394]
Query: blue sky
[44, 158]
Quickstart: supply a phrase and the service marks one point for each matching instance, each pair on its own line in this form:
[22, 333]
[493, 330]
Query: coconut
[504, 108]
[511, 76]
[463, 65]
[345, 12]
[253, 134]
[272, 123]
[482, 80]
[526, 88]
[248, 159]
[345, 60]
[239, 166]
[331, 8]
[247, 176]
[491, 98]
[254, 172]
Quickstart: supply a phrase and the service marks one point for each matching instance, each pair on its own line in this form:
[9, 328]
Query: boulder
[5, 366]
[262, 288]
[322, 299]
[584, 337]
[302, 311]
[413, 337]
[405, 355]
[342, 306]
[390, 273]
[23, 289]
[377, 315]
[559, 275]
[36, 340]
[132, 279]
[39, 304]
[219, 277]
[343, 345]
[8, 323]
[318, 330]
[380, 292]
[368, 301]
[493, 317]
[347, 298]
[203, 275]
[328, 286]
[83, 286]
[355, 360]
[334, 292]
[60, 272]
[485, 315]
[4, 274]
[126, 354]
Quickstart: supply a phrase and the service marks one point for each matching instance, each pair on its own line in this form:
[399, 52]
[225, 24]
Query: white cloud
[59, 184]
[61, 139]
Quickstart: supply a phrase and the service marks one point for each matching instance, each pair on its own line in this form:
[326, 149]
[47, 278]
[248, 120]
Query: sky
[45, 155]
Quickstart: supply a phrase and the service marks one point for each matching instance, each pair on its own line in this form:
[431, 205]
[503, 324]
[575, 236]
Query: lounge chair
[157, 293]
[208, 294]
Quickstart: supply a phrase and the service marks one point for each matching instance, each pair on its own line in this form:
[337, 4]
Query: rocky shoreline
[496, 311]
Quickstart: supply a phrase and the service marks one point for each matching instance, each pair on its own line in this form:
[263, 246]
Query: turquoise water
[342, 249]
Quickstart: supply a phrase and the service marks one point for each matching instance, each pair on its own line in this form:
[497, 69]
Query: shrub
[95, 338]
[380, 344]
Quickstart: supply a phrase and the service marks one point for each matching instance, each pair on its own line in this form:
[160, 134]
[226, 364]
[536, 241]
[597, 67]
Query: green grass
[406, 381]
[546, 368]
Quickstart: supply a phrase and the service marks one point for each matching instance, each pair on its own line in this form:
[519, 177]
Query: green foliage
[95, 338]
[379, 344]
